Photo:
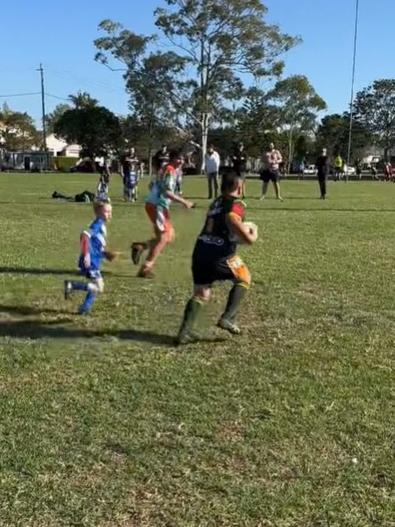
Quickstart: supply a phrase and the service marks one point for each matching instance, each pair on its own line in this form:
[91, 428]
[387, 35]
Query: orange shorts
[159, 217]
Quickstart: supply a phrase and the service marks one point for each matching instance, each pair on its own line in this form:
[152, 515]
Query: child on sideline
[92, 243]
[129, 163]
[157, 207]
[215, 259]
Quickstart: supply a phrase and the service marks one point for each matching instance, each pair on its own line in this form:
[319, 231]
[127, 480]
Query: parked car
[349, 171]
[310, 170]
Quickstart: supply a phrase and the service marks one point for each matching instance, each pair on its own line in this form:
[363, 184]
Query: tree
[17, 130]
[137, 134]
[152, 79]
[333, 133]
[83, 100]
[54, 116]
[298, 104]
[374, 107]
[224, 41]
[257, 121]
[93, 127]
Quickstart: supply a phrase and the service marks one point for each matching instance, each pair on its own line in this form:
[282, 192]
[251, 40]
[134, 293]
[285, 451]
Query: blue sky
[61, 34]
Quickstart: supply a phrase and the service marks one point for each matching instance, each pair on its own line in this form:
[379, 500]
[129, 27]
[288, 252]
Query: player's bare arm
[237, 226]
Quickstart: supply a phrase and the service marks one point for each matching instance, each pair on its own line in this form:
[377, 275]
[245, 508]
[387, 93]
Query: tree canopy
[17, 130]
[93, 127]
[216, 44]
[374, 108]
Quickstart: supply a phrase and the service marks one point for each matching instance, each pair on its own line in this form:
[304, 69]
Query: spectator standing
[239, 162]
[160, 159]
[301, 169]
[373, 170]
[271, 171]
[212, 164]
[358, 170]
[338, 167]
[387, 171]
[179, 176]
[129, 162]
[322, 166]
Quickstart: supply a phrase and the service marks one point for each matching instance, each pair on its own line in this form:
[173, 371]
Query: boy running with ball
[215, 259]
[92, 243]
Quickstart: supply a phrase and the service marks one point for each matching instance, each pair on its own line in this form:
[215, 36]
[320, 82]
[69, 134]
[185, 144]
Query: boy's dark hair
[229, 182]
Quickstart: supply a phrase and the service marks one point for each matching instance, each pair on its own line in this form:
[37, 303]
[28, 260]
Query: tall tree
[152, 78]
[224, 41]
[374, 107]
[298, 104]
[94, 128]
[17, 130]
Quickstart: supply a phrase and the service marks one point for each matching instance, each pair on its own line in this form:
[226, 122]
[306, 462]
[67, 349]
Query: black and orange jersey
[216, 237]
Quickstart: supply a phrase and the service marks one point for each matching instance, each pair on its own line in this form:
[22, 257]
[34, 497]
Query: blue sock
[79, 286]
[88, 302]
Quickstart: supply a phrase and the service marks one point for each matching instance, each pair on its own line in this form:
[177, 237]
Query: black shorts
[206, 271]
[270, 175]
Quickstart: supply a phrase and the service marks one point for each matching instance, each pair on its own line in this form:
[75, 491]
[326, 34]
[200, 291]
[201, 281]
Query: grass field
[104, 423]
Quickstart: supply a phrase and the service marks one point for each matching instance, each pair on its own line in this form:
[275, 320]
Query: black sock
[192, 310]
[236, 295]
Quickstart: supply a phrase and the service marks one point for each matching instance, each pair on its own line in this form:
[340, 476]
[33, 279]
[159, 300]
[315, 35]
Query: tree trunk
[150, 131]
[290, 147]
[205, 129]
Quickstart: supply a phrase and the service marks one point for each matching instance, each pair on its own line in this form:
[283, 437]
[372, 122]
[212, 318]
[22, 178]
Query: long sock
[236, 295]
[88, 302]
[192, 310]
[79, 286]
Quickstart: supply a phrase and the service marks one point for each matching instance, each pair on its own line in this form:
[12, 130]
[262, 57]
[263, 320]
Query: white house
[58, 147]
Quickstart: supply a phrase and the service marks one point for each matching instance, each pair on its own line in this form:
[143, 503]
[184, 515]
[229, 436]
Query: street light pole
[353, 81]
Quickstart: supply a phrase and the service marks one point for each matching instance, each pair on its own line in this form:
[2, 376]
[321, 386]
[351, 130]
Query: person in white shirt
[212, 170]
[272, 160]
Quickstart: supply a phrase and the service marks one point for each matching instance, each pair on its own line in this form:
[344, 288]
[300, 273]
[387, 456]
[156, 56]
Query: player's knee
[203, 294]
[170, 235]
[100, 286]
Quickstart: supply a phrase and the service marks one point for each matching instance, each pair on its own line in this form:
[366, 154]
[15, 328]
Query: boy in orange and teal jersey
[157, 205]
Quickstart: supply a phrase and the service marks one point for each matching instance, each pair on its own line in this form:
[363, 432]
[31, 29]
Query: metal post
[41, 70]
[353, 83]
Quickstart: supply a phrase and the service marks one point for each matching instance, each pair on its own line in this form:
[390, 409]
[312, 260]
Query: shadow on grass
[46, 271]
[31, 310]
[37, 271]
[38, 329]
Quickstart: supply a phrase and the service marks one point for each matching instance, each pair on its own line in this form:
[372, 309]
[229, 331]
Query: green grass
[104, 423]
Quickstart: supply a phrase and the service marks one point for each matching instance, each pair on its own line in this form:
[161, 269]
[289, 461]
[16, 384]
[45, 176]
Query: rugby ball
[251, 226]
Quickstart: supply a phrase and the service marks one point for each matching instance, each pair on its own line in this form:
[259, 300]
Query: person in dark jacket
[239, 162]
[322, 165]
[160, 159]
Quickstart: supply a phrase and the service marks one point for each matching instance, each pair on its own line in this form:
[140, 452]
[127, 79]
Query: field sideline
[104, 423]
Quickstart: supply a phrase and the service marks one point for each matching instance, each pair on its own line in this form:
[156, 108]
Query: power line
[83, 80]
[57, 97]
[20, 94]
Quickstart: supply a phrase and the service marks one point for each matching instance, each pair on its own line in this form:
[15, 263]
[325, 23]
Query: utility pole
[353, 82]
[41, 70]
